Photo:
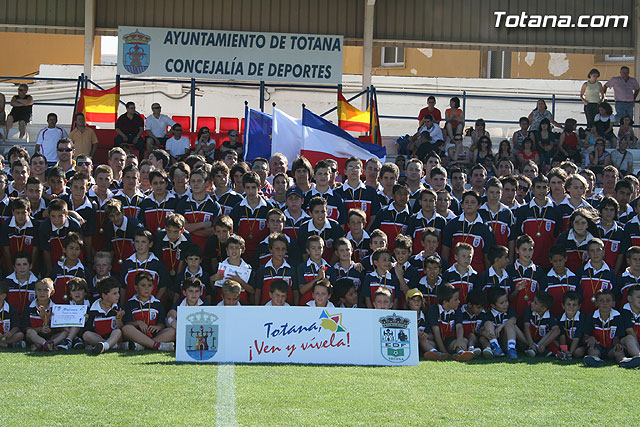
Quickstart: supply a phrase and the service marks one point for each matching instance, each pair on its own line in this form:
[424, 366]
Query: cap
[415, 292]
[295, 190]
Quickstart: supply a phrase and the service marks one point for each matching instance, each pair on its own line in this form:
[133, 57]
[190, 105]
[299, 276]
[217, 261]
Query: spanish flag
[99, 106]
[350, 118]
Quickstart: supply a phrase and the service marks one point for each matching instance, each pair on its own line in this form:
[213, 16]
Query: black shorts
[21, 114]
[604, 351]
[448, 341]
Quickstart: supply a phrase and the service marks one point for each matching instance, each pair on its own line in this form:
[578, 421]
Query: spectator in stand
[622, 159]
[599, 158]
[484, 155]
[178, 147]
[84, 138]
[430, 109]
[528, 152]
[603, 124]
[3, 116]
[625, 91]
[205, 146]
[48, 138]
[129, 128]
[569, 142]
[232, 143]
[434, 130]
[591, 95]
[505, 152]
[454, 117]
[539, 113]
[21, 112]
[156, 126]
[626, 132]
[545, 141]
[477, 132]
[525, 131]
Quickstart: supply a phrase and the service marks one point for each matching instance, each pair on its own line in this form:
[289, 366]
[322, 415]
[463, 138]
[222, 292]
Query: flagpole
[375, 104]
[246, 126]
[370, 99]
[75, 105]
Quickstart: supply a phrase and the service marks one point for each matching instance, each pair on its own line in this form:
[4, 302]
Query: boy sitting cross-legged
[103, 328]
[10, 333]
[500, 325]
[572, 324]
[540, 327]
[36, 319]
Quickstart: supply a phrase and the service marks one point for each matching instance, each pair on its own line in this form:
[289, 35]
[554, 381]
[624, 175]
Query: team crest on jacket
[547, 225]
[395, 341]
[201, 335]
[135, 52]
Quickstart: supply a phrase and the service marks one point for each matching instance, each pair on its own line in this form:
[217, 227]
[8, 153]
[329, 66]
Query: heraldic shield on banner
[395, 341]
[201, 335]
[135, 52]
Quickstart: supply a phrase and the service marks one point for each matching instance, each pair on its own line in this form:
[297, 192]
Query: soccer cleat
[497, 350]
[630, 362]
[512, 353]
[476, 352]
[78, 343]
[20, 344]
[65, 344]
[99, 348]
[48, 346]
[435, 355]
[166, 346]
[530, 352]
[487, 353]
[463, 356]
[134, 346]
[593, 361]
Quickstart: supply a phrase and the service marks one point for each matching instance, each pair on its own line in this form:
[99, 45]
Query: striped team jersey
[576, 251]
[392, 222]
[228, 200]
[543, 224]
[626, 214]
[444, 320]
[153, 212]
[151, 312]
[251, 224]
[330, 232]
[21, 294]
[51, 237]
[470, 322]
[464, 282]
[591, 281]
[18, 238]
[202, 275]
[612, 239]
[557, 285]
[605, 330]
[308, 271]
[268, 273]
[169, 253]
[206, 210]
[336, 208]
[429, 291]
[632, 233]
[572, 327]
[87, 210]
[491, 278]
[565, 210]
[61, 274]
[31, 317]
[499, 222]
[5, 209]
[630, 318]
[362, 197]
[361, 248]
[539, 325]
[476, 233]
[9, 318]
[120, 240]
[532, 276]
[625, 282]
[352, 274]
[101, 321]
[152, 265]
[291, 225]
[418, 262]
[373, 281]
[498, 317]
[130, 204]
[418, 222]
[99, 242]
[263, 255]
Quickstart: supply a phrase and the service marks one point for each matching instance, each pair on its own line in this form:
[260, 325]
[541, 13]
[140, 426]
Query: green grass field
[151, 388]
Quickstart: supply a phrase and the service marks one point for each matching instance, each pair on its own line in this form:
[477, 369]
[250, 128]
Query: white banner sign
[66, 316]
[296, 335]
[230, 55]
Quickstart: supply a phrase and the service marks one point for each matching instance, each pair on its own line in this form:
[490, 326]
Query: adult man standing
[625, 91]
[47, 141]
[156, 126]
[84, 138]
[129, 128]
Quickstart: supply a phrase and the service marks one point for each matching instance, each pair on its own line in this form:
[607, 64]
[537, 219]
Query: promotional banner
[296, 335]
[230, 55]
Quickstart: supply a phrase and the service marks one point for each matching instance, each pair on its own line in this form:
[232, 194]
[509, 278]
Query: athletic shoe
[134, 346]
[99, 348]
[463, 356]
[630, 362]
[78, 343]
[512, 353]
[65, 344]
[593, 361]
[166, 346]
[487, 353]
[20, 344]
[435, 355]
[476, 352]
[530, 352]
[48, 346]
[497, 350]
[549, 354]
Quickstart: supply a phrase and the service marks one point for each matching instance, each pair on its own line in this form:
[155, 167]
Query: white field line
[226, 396]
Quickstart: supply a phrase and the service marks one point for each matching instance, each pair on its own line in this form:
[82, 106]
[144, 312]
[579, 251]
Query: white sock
[511, 344]
[106, 346]
[494, 341]
[471, 348]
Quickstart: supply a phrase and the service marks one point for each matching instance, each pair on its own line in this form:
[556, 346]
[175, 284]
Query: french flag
[322, 140]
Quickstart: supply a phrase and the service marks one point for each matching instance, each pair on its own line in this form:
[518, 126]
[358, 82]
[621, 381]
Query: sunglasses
[65, 150]
[233, 134]
[83, 163]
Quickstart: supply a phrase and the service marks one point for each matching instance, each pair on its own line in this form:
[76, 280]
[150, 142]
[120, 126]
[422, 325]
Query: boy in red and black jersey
[130, 196]
[21, 282]
[100, 194]
[321, 226]
[357, 195]
[394, 218]
[119, 234]
[143, 260]
[36, 319]
[276, 268]
[10, 333]
[53, 230]
[155, 208]
[19, 234]
[103, 328]
[171, 242]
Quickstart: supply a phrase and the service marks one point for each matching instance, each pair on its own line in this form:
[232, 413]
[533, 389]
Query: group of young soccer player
[542, 267]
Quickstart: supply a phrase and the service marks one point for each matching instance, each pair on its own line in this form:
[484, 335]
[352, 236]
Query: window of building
[499, 64]
[392, 56]
[619, 58]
